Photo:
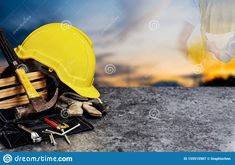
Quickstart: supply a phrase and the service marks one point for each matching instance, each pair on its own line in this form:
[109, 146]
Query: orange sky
[157, 54]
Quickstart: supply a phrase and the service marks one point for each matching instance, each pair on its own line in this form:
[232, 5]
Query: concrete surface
[158, 119]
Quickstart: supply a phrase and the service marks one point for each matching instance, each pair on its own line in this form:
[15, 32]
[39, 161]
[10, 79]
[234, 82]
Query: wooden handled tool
[38, 103]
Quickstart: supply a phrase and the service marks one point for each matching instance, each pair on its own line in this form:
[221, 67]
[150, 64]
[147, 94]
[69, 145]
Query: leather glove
[71, 104]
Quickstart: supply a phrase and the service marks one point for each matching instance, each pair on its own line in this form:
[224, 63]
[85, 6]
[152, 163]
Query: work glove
[71, 104]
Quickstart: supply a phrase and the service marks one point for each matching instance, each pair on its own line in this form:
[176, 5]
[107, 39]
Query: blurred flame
[212, 67]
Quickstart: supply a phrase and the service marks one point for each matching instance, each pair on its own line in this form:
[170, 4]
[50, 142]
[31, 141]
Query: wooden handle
[18, 101]
[18, 90]
[9, 81]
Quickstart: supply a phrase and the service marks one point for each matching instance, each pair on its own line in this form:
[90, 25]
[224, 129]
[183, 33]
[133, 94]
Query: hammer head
[22, 112]
[40, 105]
[37, 105]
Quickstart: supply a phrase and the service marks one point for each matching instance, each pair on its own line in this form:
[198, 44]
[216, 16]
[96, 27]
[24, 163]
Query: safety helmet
[65, 50]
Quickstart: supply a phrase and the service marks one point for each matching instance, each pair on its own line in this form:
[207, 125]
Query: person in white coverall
[216, 19]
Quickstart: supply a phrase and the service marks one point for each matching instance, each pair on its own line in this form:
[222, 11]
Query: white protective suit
[217, 21]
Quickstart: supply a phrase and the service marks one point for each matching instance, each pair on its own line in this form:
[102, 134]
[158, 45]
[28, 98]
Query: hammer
[37, 102]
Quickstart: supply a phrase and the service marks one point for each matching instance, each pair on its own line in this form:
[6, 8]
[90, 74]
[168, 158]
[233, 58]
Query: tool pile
[38, 101]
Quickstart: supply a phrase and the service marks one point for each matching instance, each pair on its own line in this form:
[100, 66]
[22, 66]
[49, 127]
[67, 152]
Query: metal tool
[47, 131]
[52, 139]
[34, 135]
[71, 129]
[66, 137]
[56, 126]
[26, 111]
[38, 103]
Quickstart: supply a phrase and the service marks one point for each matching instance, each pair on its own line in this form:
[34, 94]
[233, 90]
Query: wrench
[34, 135]
[71, 129]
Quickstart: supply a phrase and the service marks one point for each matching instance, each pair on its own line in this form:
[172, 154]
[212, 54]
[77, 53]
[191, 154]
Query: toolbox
[11, 136]
[13, 95]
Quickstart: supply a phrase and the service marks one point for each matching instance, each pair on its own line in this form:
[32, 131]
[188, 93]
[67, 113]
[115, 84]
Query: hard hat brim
[90, 92]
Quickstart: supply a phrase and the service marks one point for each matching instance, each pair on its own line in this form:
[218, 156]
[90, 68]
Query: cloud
[106, 22]
[137, 15]
[102, 57]
[133, 16]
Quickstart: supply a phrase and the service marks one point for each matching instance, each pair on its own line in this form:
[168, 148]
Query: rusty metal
[40, 105]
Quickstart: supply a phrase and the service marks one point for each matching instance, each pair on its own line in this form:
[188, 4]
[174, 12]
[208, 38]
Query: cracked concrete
[158, 119]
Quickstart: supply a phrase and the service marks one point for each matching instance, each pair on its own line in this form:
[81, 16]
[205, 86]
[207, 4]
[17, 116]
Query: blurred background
[137, 42]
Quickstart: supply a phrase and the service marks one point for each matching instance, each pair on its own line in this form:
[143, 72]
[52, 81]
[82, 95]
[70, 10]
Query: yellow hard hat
[65, 50]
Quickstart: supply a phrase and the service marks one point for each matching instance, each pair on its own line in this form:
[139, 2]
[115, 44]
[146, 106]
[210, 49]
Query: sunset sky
[139, 37]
